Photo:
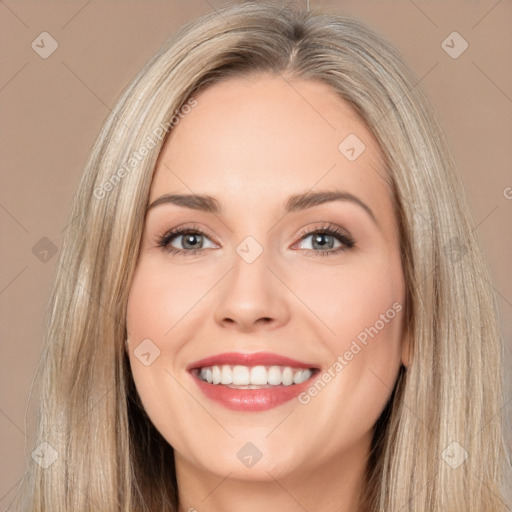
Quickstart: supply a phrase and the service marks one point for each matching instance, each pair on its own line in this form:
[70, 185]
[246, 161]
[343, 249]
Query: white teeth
[252, 377]
[274, 375]
[287, 376]
[241, 375]
[226, 375]
[215, 374]
[258, 375]
[297, 377]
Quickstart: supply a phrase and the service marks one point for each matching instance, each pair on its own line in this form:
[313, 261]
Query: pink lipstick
[251, 382]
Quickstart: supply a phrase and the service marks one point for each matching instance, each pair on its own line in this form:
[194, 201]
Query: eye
[325, 238]
[191, 240]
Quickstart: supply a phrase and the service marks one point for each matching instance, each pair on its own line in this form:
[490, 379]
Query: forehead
[262, 137]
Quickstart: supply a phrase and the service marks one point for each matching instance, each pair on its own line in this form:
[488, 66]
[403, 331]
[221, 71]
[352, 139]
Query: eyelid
[186, 226]
[326, 226]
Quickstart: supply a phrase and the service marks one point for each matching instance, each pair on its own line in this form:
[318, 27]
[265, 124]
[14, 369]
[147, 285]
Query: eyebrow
[294, 203]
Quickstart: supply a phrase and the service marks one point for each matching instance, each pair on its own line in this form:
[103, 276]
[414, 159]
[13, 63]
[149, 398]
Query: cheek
[157, 300]
[361, 308]
[352, 298]
[148, 317]
[377, 309]
[155, 305]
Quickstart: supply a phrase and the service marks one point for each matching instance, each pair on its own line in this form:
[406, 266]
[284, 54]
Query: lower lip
[252, 400]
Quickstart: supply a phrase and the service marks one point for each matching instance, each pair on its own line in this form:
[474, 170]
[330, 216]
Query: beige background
[53, 108]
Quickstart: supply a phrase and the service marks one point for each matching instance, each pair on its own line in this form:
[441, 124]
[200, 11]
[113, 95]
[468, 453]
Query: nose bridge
[250, 264]
[251, 292]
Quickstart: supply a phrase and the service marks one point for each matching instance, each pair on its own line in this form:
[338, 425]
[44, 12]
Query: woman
[270, 293]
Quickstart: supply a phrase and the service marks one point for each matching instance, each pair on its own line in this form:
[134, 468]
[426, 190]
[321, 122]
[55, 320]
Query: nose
[252, 297]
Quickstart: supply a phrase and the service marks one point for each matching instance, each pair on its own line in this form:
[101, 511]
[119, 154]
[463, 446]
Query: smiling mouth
[253, 377]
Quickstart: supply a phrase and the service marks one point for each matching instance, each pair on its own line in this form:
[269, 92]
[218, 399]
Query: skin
[251, 142]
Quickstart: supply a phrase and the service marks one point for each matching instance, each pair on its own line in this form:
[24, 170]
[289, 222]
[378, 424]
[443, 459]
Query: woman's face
[315, 279]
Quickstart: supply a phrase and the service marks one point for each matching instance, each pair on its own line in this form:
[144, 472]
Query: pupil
[319, 239]
[190, 238]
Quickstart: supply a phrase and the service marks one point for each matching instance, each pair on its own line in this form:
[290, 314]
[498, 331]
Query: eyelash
[329, 229]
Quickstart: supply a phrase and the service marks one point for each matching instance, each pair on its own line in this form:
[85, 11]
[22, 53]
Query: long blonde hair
[444, 406]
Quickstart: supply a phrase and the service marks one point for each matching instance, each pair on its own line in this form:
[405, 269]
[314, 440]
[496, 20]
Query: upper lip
[249, 359]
